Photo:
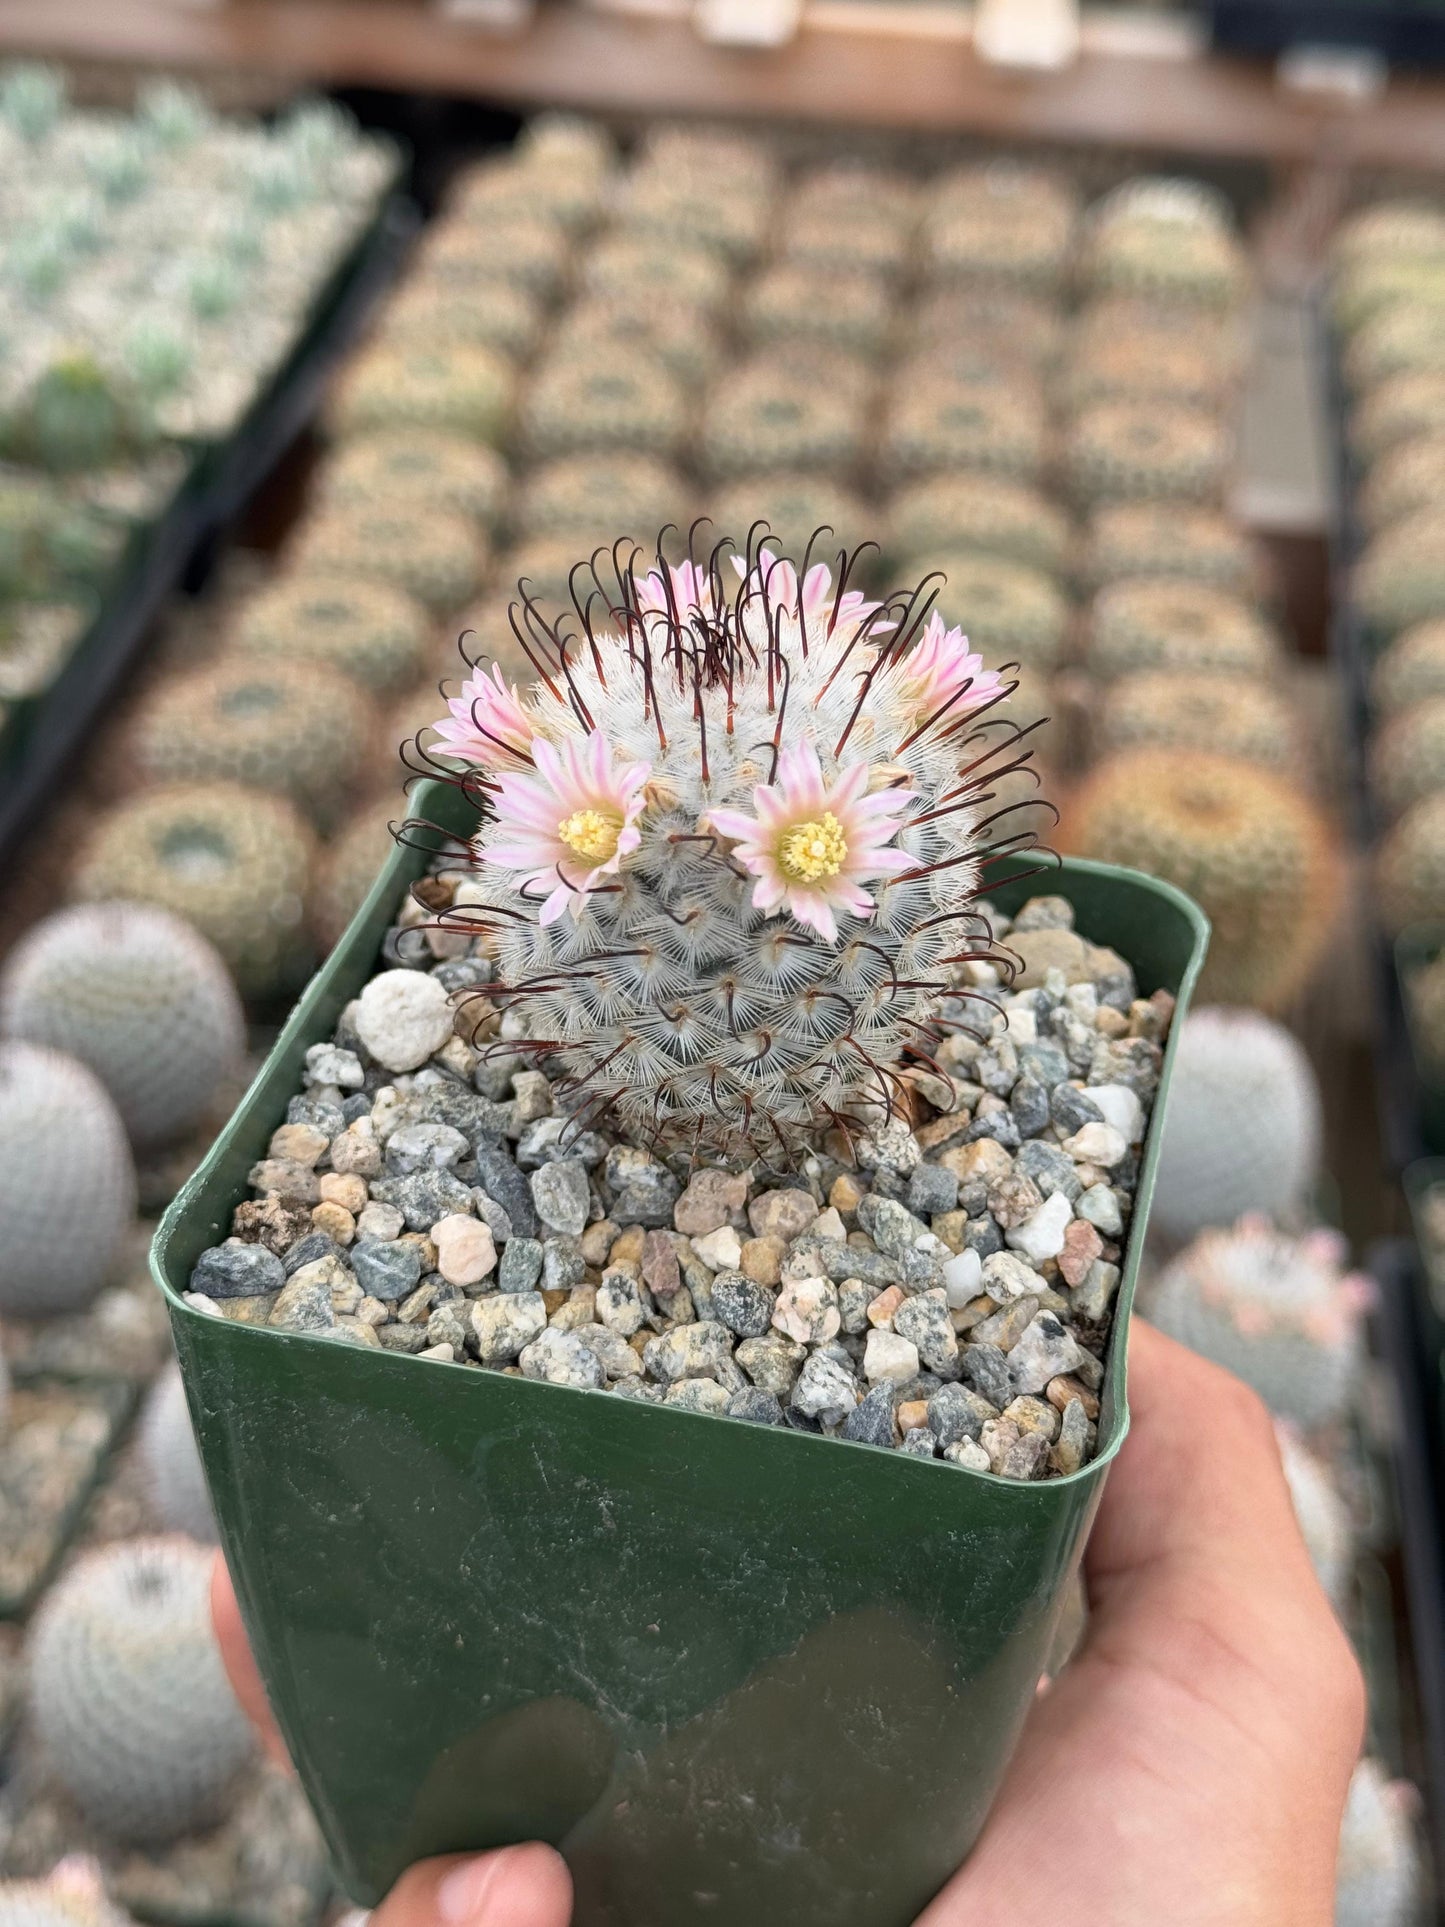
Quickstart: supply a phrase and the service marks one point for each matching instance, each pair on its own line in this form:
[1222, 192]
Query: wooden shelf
[609, 62]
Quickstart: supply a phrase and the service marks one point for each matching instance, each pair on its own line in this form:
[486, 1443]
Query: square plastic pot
[739, 1675]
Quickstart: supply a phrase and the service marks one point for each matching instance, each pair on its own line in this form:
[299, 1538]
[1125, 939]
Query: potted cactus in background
[696, 1085]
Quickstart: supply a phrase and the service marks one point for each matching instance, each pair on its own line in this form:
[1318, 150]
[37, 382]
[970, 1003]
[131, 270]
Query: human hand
[1189, 1765]
[526, 1886]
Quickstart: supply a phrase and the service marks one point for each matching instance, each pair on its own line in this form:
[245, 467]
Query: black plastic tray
[217, 488]
[1404, 34]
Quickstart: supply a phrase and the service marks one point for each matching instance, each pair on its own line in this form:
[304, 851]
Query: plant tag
[1039, 34]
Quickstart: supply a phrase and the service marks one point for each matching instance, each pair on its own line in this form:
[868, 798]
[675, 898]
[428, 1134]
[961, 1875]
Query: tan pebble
[302, 1143]
[358, 1331]
[1063, 1391]
[639, 1341]
[782, 1214]
[345, 1189]
[346, 1295]
[371, 1311]
[597, 1242]
[356, 1150]
[416, 1309]
[1033, 1415]
[1082, 1245]
[846, 1194]
[426, 1249]
[465, 1250]
[762, 1260]
[379, 1220]
[949, 1225]
[1110, 1022]
[627, 1247]
[912, 1414]
[335, 1221]
[580, 1309]
[284, 1178]
[881, 1310]
[554, 1301]
[973, 1313]
[984, 1158]
[711, 1199]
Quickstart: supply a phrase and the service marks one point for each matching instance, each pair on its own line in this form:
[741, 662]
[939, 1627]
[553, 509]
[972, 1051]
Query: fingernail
[462, 1894]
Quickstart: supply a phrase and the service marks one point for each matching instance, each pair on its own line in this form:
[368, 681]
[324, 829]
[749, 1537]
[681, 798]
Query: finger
[526, 1886]
[240, 1665]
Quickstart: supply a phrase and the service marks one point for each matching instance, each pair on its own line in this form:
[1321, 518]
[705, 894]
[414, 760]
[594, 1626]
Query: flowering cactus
[731, 843]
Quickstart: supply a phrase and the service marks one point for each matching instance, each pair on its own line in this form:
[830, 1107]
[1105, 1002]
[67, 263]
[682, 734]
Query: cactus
[845, 310]
[1139, 364]
[1169, 240]
[505, 319]
[1387, 231]
[1410, 477]
[377, 634]
[997, 424]
[565, 189]
[793, 503]
[623, 321]
[1359, 294]
[460, 390]
[765, 415]
[727, 997]
[1403, 409]
[1411, 671]
[409, 469]
[1398, 341]
[680, 212]
[1425, 996]
[171, 1461]
[1322, 1513]
[232, 861]
[349, 865]
[587, 498]
[73, 417]
[1400, 578]
[736, 163]
[1141, 451]
[174, 115]
[290, 727]
[644, 267]
[32, 97]
[1244, 1126]
[434, 555]
[1379, 1878]
[603, 398]
[1169, 539]
[1410, 866]
[67, 1183]
[977, 512]
[1012, 612]
[465, 261]
[1001, 323]
[128, 1694]
[1002, 222]
[140, 998]
[1407, 756]
[1236, 717]
[877, 212]
[1279, 1312]
[1168, 624]
[71, 1895]
[1253, 849]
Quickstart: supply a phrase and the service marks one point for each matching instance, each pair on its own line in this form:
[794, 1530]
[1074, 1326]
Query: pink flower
[691, 594]
[942, 677]
[486, 721]
[778, 579]
[570, 823]
[813, 845]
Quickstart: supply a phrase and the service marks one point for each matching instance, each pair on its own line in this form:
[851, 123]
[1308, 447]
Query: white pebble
[1100, 1207]
[402, 1017]
[1041, 1235]
[1023, 1025]
[886, 1356]
[807, 1311]
[1121, 1108]
[1099, 1144]
[720, 1250]
[962, 1279]
[967, 1452]
[828, 1224]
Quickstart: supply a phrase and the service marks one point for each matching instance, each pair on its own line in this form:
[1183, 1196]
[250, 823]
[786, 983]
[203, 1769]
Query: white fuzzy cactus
[1281, 1313]
[139, 996]
[1323, 1514]
[1377, 1883]
[172, 1462]
[67, 1182]
[71, 1895]
[128, 1696]
[1243, 1127]
[731, 843]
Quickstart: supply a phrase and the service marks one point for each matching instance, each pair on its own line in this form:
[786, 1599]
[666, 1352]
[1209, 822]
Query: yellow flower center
[592, 834]
[810, 851]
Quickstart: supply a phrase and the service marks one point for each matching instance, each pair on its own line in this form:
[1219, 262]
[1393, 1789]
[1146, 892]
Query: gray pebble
[1029, 1102]
[983, 1368]
[502, 1180]
[320, 1112]
[1050, 1168]
[1045, 1350]
[425, 1197]
[931, 1189]
[743, 1306]
[305, 1251]
[643, 1191]
[758, 1408]
[871, 1422]
[561, 1359]
[925, 1320]
[826, 1390]
[920, 1443]
[620, 1305]
[385, 1271]
[1001, 1126]
[562, 1263]
[983, 1235]
[892, 1227]
[698, 1395]
[1070, 1110]
[854, 1298]
[504, 1323]
[303, 1306]
[1044, 913]
[611, 1349]
[237, 1270]
[955, 1412]
[771, 1362]
[561, 1194]
[425, 1147]
[521, 1265]
[1044, 1063]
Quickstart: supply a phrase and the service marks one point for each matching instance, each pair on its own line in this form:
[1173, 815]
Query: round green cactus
[589, 499]
[232, 861]
[1400, 409]
[765, 415]
[1162, 623]
[1400, 578]
[434, 555]
[996, 422]
[795, 504]
[458, 389]
[964, 511]
[1399, 341]
[466, 260]
[373, 631]
[795, 302]
[498, 316]
[1170, 240]
[684, 210]
[1411, 671]
[627, 321]
[1008, 327]
[1141, 451]
[601, 398]
[1012, 612]
[1407, 756]
[350, 863]
[1003, 222]
[171, 1462]
[1176, 539]
[1411, 477]
[644, 265]
[1236, 715]
[1410, 866]
[416, 469]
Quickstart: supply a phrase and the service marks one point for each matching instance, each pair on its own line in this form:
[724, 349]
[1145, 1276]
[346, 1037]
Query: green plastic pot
[738, 1675]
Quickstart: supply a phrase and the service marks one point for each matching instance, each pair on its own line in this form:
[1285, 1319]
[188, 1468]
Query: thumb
[526, 1886]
